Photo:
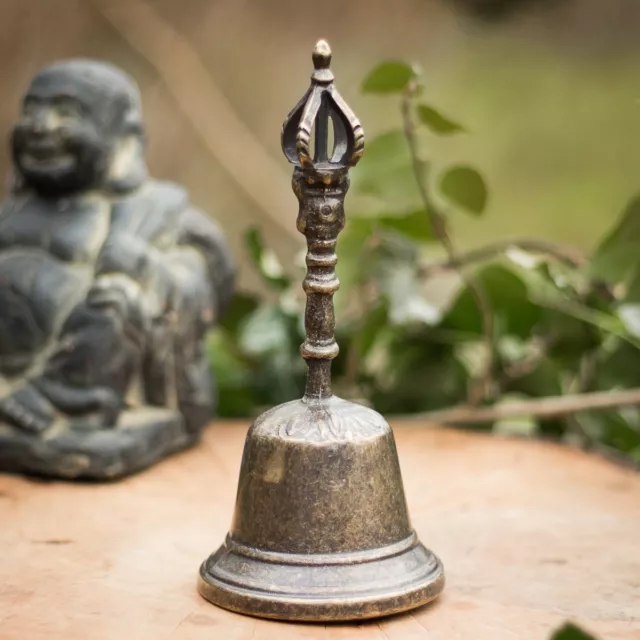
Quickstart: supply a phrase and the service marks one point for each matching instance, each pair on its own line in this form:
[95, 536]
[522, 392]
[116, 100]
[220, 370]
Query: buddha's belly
[37, 292]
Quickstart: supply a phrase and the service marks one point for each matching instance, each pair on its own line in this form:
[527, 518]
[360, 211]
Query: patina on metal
[109, 281]
[321, 530]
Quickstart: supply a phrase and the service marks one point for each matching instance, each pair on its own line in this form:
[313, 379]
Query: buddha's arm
[203, 235]
[146, 298]
[163, 270]
[194, 272]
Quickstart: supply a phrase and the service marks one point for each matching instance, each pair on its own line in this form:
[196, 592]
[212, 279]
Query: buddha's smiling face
[72, 116]
[57, 144]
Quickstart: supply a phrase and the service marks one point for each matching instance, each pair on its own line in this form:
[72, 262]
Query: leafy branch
[528, 337]
[439, 225]
[566, 255]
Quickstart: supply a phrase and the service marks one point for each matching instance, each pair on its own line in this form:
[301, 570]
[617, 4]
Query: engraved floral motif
[331, 420]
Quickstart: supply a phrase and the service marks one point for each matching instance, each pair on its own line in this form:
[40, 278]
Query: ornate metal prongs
[320, 184]
[320, 103]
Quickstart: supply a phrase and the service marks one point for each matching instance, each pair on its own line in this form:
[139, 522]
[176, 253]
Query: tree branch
[548, 407]
[566, 255]
[438, 223]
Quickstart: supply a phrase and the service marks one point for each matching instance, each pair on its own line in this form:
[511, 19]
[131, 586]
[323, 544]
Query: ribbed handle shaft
[320, 219]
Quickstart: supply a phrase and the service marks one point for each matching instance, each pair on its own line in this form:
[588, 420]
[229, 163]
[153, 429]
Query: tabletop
[531, 534]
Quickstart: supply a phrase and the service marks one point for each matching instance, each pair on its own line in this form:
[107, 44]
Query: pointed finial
[320, 106]
[321, 57]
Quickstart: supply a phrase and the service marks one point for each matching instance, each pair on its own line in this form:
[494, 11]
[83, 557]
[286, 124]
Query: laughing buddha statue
[109, 281]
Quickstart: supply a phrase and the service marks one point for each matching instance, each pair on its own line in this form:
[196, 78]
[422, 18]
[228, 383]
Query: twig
[203, 104]
[587, 370]
[548, 407]
[565, 255]
[439, 226]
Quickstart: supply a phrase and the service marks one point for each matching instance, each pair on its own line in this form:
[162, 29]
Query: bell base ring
[322, 587]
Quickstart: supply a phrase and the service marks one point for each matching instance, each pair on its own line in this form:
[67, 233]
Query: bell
[321, 530]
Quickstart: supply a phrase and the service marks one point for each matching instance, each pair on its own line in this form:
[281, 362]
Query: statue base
[142, 437]
[322, 587]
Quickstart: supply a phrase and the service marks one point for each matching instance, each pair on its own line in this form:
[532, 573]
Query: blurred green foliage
[412, 335]
[571, 632]
[498, 10]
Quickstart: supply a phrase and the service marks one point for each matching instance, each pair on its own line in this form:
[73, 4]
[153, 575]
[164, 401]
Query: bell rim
[323, 559]
[384, 601]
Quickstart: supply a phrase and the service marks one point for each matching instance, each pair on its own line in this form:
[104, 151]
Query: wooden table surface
[530, 534]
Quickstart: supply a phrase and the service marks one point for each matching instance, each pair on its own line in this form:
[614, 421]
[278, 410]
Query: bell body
[321, 530]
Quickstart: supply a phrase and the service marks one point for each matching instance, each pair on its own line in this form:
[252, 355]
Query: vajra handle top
[320, 182]
[322, 103]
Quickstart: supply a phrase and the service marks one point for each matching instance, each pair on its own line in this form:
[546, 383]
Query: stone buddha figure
[109, 281]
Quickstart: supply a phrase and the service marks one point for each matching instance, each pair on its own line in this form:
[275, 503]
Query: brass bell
[321, 530]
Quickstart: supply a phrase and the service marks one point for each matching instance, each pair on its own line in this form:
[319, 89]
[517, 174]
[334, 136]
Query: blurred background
[548, 96]
[548, 89]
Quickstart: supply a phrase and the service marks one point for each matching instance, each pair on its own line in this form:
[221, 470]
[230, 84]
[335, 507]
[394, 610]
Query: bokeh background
[549, 90]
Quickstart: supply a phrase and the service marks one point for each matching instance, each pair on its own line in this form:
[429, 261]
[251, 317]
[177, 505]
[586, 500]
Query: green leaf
[280, 378]
[388, 77]
[353, 261]
[369, 248]
[632, 285]
[618, 432]
[268, 330]
[416, 374]
[465, 187]
[571, 338]
[372, 325]
[232, 375]
[521, 426]
[401, 287]
[265, 260]
[618, 366]
[242, 305]
[437, 122]
[415, 225]
[385, 148]
[508, 296]
[384, 179]
[630, 316]
[571, 632]
[544, 293]
[541, 381]
[269, 339]
[606, 322]
[617, 256]
[392, 248]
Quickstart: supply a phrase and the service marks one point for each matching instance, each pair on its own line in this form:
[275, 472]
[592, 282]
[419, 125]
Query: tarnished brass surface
[321, 530]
